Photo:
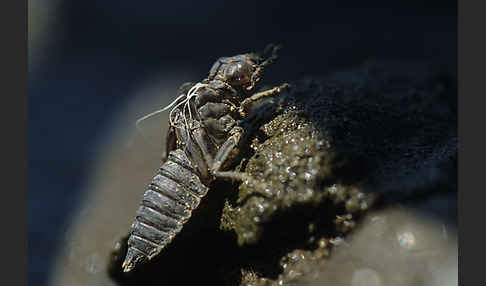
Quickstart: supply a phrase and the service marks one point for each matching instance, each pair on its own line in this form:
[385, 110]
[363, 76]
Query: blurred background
[97, 66]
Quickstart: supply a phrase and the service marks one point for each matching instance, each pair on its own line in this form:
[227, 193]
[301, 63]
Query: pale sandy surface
[396, 246]
[125, 165]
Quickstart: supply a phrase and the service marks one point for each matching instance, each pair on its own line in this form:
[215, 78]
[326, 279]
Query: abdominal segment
[167, 204]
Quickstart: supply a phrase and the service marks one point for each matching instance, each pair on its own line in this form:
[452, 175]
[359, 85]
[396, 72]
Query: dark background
[102, 50]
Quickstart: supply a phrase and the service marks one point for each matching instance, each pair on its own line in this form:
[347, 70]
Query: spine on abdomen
[168, 203]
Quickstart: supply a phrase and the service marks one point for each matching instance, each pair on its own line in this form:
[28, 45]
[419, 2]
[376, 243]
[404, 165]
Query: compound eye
[238, 73]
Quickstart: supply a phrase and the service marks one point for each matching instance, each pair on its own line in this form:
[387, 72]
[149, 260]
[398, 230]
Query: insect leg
[206, 145]
[246, 104]
[193, 150]
[224, 154]
[240, 176]
[226, 149]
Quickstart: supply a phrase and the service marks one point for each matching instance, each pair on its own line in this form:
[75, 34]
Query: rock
[331, 150]
[376, 133]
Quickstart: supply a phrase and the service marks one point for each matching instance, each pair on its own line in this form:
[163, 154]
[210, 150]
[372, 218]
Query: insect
[204, 132]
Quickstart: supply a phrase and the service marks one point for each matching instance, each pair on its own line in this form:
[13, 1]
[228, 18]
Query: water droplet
[307, 176]
[117, 246]
[308, 192]
[406, 239]
[311, 227]
[332, 189]
[293, 274]
[337, 241]
[261, 208]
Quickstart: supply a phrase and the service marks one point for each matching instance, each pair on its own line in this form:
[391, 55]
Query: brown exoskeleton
[204, 131]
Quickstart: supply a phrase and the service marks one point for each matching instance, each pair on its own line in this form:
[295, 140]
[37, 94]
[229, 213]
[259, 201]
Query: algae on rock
[294, 166]
[375, 134]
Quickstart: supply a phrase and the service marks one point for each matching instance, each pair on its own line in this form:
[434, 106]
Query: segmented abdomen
[174, 193]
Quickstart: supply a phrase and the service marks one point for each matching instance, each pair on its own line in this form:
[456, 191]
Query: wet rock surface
[390, 247]
[374, 137]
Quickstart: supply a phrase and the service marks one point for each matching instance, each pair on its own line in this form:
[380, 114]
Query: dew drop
[406, 239]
